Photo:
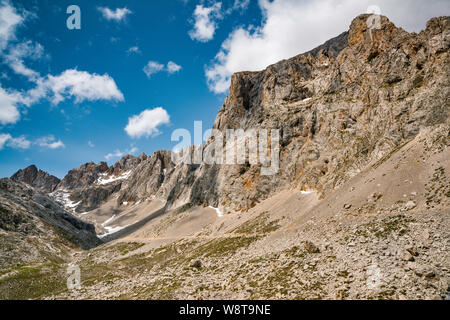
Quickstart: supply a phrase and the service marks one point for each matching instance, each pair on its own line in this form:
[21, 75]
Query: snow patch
[108, 221]
[307, 191]
[63, 198]
[111, 230]
[104, 179]
[219, 213]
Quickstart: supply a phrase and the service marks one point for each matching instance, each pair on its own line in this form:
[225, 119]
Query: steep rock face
[83, 176]
[86, 188]
[339, 108]
[125, 164]
[149, 177]
[36, 178]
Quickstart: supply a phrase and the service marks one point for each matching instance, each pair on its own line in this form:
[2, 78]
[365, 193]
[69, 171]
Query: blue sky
[137, 70]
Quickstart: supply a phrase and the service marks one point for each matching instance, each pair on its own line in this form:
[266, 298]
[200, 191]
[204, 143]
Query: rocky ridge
[27, 213]
[36, 178]
[339, 108]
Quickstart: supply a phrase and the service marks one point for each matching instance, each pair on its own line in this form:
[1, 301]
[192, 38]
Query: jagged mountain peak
[36, 178]
[83, 176]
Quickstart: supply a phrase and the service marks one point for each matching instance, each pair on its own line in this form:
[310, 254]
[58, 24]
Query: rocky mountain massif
[358, 209]
[37, 178]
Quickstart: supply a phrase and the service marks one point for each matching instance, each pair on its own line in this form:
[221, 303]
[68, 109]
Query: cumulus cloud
[117, 15]
[50, 142]
[22, 142]
[153, 67]
[17, 54]
[118, 154]
[18, 143]
[9, 20]
[172, 67]
[3, 138]
[205, 22]
[71, 83]
[83, 86]
[290, 27]
[15, 143]
[9, 112]
[147, 122]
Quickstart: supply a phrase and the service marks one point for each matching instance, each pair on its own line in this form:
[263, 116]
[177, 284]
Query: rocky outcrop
[149, 178]
[83, 176]
[125, 164]
[339, 109]
[91, 198]
[26, 212]
[38, 179]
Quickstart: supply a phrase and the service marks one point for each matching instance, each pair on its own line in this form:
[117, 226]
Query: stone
[197, 264]
[347, 206]
[409, 205]
[311, 247]
[412, 250]
[407, 256]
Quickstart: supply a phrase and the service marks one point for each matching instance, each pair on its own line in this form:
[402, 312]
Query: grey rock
[38, 179]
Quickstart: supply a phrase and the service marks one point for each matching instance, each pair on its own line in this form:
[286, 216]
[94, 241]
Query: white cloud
[118, 154]
[291, 27]
[9, 112]
[18, 143]
[133, 150]
[91, 144]
[134, 49]
[17, 54]
[22, 142]
[50, 142]
[205, 22]
[147, 123]
[241, 4]
[9, 20]
[3, 138]
[153, 67]
[83, 86]
[117, 15]
[71, 83]
[172, 67]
